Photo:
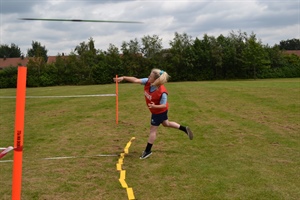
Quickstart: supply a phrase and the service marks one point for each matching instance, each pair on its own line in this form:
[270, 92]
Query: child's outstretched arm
[129, 79]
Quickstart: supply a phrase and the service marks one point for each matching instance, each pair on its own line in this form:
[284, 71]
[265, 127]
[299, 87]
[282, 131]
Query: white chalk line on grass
[4, 161]
[68, 157]
[70, 96]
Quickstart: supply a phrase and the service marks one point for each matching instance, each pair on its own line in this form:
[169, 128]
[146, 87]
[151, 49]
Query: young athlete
[156, 97]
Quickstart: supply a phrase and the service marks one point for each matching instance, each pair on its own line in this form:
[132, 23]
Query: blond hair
[161, 77]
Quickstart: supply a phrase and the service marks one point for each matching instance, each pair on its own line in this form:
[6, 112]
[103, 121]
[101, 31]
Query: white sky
[271, 20]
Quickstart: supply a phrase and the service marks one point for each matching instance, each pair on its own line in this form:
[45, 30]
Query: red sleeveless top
[155, 97]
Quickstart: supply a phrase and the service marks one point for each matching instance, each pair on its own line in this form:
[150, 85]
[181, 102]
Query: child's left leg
[187, 130]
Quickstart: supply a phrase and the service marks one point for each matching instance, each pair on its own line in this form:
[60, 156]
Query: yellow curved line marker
[130, 193]
[120, 160]
[123, 172]
[119, 167]
[123, 183]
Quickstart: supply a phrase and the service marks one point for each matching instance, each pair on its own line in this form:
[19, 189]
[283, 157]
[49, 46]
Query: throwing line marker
[68, 157]
[60, 158]
[119, 164]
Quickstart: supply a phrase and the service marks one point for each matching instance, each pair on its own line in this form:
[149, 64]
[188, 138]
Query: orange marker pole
[19, 133]
[117, 101]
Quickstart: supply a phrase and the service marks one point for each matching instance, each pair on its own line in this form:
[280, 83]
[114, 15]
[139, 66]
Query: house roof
[296, 52]
[51, 59]
[14, 62]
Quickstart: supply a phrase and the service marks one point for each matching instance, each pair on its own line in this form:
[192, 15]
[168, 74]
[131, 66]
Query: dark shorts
[157, 119]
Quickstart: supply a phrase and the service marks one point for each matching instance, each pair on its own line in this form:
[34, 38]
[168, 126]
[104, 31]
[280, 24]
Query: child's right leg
[151, 139]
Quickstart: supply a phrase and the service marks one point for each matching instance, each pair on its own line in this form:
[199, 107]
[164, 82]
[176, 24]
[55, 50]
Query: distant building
[21, 61]
[13, 62]
[295, 52]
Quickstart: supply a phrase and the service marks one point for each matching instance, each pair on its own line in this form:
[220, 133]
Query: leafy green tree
[216, 57]
[132, 47]
[87, 59]
[35, 68]
[237, 41]
[181, 42]
[84, 48]
[151, 45]
[291, 44]
[201, 58]
[227, 51]
[12, 51]
[37, 50]
[254, 56]
[113, 59]
[153, 55]
[36, 64]
[197, 58]
[291, 67]
[131, 57]
[275, 56]
[234, 56]
[113, 55]
[181, 52]
[72, 70]
[57, 70]
[8, 77]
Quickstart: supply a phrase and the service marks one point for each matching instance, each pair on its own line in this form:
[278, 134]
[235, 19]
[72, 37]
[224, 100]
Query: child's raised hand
[119, 79]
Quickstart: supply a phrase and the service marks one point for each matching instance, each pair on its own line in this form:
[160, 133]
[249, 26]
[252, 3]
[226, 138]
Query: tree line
[236, 56]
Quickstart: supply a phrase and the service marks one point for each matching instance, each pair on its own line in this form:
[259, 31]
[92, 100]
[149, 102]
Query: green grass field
[246, 142]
